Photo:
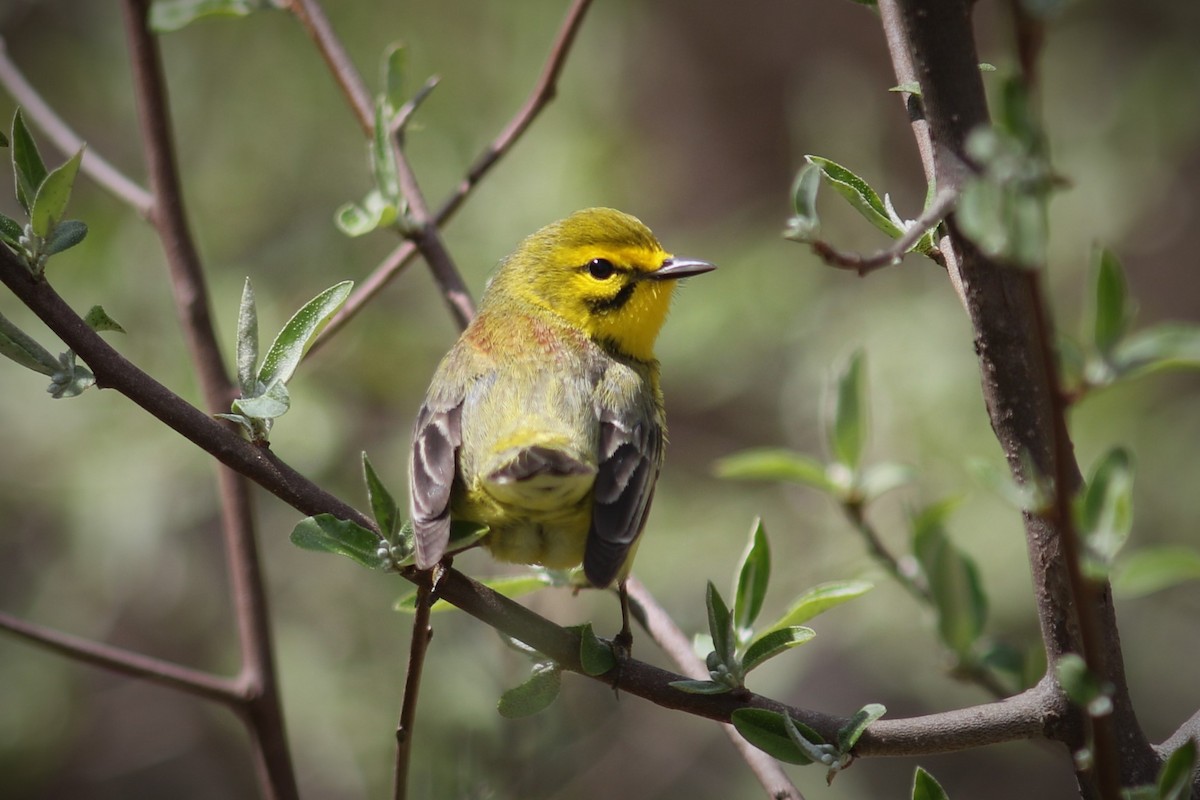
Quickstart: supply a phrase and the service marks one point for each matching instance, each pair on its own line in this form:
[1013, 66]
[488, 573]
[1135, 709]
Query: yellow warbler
[545, 420]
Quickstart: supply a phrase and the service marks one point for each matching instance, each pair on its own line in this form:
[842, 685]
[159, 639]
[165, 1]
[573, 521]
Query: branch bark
[932, 42]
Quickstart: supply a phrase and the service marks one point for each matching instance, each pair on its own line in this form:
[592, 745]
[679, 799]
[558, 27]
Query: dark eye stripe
[604, 305]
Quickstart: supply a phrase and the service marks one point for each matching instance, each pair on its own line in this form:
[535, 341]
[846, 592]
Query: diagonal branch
[135, 665]
[69, 142]
[543, 92]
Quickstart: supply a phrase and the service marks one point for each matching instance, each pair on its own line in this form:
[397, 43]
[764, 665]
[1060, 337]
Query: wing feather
[436, 439]
[630, 459]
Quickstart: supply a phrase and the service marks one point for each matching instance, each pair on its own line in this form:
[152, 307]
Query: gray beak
[674, 268]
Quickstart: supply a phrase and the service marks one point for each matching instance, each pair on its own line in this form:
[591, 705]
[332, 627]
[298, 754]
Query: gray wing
[630, 459]
[436, 439]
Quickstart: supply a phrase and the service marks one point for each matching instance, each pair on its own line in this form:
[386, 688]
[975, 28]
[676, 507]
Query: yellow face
[604, 272]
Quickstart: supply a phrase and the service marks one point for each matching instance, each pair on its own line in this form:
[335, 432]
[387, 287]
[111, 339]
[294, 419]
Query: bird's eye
[601, 269]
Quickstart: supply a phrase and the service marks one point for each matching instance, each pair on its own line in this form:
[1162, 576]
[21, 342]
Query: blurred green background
[693, 116]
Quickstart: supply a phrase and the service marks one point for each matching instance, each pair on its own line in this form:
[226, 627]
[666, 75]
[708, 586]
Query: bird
[545, 420]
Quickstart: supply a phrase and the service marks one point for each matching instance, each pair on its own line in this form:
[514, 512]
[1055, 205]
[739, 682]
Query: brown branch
[262, 709]
[418, 647]
[675, 643]
[66, 140]
[135, 665]
[931, 42]
[543, 92]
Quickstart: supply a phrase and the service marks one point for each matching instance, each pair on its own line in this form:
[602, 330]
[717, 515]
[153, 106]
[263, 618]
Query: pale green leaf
[773, 643]
[535, 694]
[171, 15]
[23, 349]
[847, 431]
[28, 168]
[288, 348]
[52, 196]
[859, 193]
[247, 340]
[774, 464]
[768, 731]
[326, 533]
[925, 787]
[849, 733]
[98, 320]
[66, 234]
[753, 577]
[819, 599]
[1154, 569]
[383, 505]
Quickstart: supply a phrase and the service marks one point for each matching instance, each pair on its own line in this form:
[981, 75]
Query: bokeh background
[694, 115]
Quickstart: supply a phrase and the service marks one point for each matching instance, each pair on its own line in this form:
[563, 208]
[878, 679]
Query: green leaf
[1111, 314]
[925, 787]
[701, 687]
[510, 586]
[954, 582]
[355, 220]
[98, 320]
[383, 505]
[849, 733]
[774, 464]
[52, 196]
[1153, 569]
[289, 346]
[720, 626]
[805, 223]
[23, 349]
[767, 730]
[66, 234]
[773, 643]
[859, 193]
[1082, 687]
[847, 433]
[247, 340]
[383, 157]
[596, 657]
[326, 533]
[71, 379]
[1166, 346]
[819, 599]
[395, 61]
[912, 87]
[28, 168]
[274, 402]
[753, 576]
[1107, 513]
[167, 16]
[1175, 778]
[879, 479]
[535, 694]
[11, 232]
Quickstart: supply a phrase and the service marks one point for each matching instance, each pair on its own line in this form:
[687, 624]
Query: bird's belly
[542, 520]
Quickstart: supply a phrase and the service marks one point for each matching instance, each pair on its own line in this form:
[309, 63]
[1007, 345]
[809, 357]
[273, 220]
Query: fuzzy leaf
[774, 464]
[849, 734]
[1175, 779]
[11, 232]
[326, 533]
[925, 787]
[273, 403]
[819, 599]
[1154, 569]
[66, 234]
[288, 348]
[23, 349]
[1110, 313]
[862, 197]
[535, 694]
[98, 320]
[847, 432]
[768, 731]
[720, 626]
[953, 580]
[52, 196]
[167, 16]
[805, 223]
[753, 576]
[28, 168]
[383, 505]
[247, 340]
[701, 687]
[595, 656]
[773, 643]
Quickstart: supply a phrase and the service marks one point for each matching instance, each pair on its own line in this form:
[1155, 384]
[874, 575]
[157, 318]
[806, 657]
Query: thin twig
[943, 203]
[422, 226]
[674, 642]
[126, 662]
[907, 578]
[543, 92]
[66, 140]
[263, 708]
[422, 632]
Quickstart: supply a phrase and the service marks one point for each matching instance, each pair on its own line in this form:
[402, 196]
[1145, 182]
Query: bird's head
[603, 272]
